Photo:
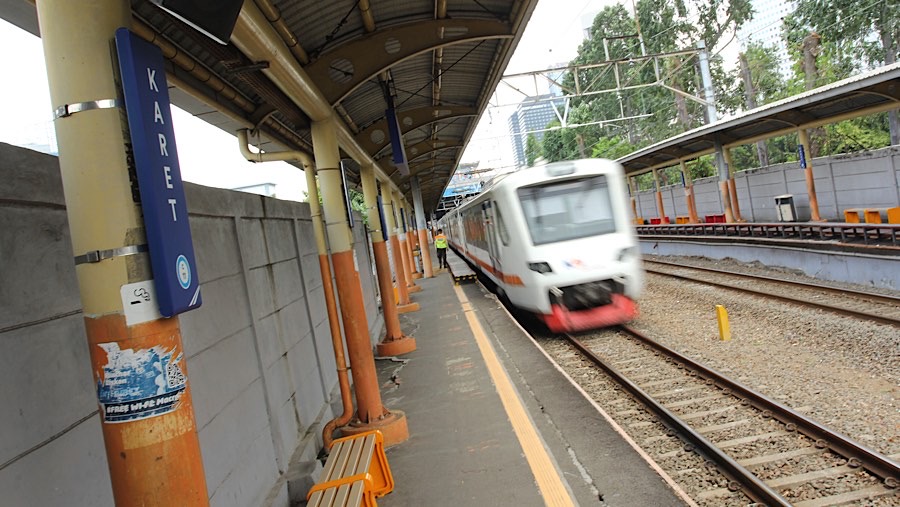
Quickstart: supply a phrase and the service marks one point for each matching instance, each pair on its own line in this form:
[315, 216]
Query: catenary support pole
[370, 412]
[395, 342]
[421, 224]
[153, 461]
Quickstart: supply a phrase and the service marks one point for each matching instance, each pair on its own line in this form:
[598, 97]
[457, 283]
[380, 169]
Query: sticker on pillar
[139, 384]
[139, 302]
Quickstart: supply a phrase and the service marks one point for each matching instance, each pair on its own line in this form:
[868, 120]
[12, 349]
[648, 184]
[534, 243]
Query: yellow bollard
[724, 327]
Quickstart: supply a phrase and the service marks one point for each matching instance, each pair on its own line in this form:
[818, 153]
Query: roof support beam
[343, 69]
[374, 138]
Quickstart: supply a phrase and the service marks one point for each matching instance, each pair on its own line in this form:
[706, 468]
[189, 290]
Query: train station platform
[493, 422]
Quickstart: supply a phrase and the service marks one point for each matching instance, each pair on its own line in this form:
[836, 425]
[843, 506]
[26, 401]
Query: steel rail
[837, 309]
[755, 488]
[878, 464]
[881, 298]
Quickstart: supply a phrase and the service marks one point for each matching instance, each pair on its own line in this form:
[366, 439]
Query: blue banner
[159, 176]
[398, 151]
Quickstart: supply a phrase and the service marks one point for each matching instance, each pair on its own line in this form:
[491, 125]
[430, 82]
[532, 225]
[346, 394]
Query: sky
[209, 156]
[550, 40]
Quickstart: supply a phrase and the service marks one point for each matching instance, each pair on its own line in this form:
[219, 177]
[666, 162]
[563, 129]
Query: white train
[557, 240]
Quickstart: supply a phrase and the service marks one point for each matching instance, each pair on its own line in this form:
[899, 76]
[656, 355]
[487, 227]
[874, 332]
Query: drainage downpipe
[325, 269]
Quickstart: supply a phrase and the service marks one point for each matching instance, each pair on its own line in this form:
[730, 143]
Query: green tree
[532, 149]
[847, 26]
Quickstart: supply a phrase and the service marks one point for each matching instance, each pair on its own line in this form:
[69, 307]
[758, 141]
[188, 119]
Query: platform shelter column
[660, 209]
[632, 190]
[732, 186]
[689, 193]
[370, 412]
[406, 224]
[725, 194]
[153, 455]
[411, 238]
[394, 342]
[806, 165]
[403, 302]
[411, 286]
[421, 224]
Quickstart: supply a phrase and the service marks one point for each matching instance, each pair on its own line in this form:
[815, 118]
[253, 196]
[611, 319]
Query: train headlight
[540, 267]
[627, 254]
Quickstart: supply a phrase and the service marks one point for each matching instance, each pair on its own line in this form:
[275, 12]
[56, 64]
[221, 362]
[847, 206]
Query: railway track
[880, 308]
[738, 446]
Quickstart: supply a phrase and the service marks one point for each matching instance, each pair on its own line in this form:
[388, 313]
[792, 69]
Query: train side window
[501, 226]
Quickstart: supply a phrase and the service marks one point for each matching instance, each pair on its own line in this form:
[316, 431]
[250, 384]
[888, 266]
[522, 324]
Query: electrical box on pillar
[213, 18]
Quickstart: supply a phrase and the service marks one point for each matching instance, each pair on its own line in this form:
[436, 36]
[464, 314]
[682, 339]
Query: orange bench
[853, 215]
[355, 474]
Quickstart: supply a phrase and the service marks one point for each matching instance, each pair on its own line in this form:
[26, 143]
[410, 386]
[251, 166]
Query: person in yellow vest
[440, 244]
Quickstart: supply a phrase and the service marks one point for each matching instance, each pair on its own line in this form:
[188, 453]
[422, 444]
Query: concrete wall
[260, 358]
[859, 180]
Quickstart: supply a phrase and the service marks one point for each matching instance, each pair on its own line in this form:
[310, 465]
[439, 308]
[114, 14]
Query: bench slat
[355, 473]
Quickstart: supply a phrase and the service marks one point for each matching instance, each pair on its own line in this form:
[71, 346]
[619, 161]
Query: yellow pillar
[810, 180]
[403, 304]
[370, 412]
[395, 342]
[156, 459]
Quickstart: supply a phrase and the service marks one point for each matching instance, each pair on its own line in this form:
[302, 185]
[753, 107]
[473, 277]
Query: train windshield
[561, 211]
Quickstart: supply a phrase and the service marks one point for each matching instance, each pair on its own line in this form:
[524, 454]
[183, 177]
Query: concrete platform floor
[469, 445]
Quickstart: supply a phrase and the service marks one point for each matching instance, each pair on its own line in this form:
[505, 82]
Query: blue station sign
[159, 175]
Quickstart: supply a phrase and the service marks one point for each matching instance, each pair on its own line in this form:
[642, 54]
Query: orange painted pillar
[153, 453]
[421, 224]
[411, 241]
[370, 412]
[405, 249]
[806, 165]
[689, 194]
[334, 324]
[724, 191]
[732, 186]
[404, 304]
[660, 209]
[394, 342]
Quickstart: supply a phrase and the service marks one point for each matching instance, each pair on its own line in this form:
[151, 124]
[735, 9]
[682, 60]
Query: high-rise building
[531, 117]
[767, 27]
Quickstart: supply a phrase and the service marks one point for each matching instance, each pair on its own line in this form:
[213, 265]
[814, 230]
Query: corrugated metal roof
[233, 91]
[879, 88]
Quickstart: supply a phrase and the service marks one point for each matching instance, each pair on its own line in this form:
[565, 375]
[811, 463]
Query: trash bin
[784, 208]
